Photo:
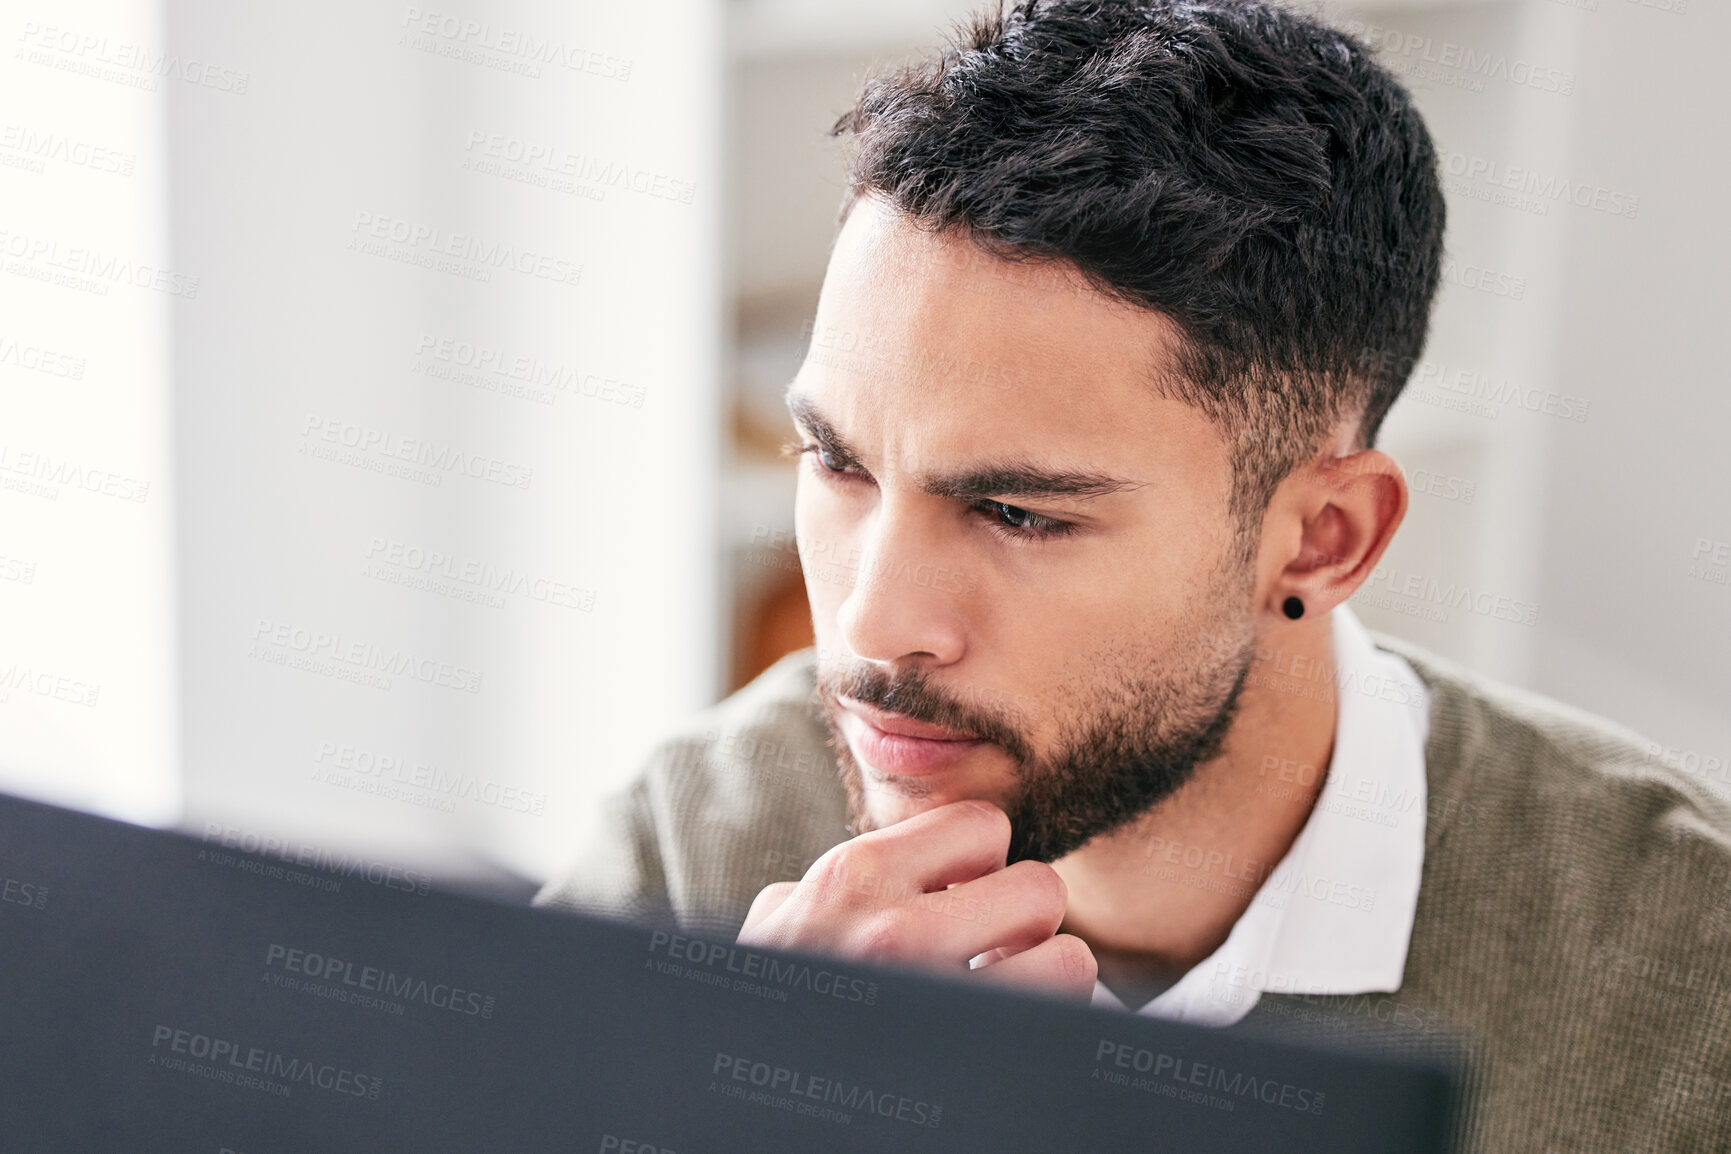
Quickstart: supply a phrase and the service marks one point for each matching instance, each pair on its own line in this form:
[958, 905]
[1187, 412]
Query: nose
[903, 606]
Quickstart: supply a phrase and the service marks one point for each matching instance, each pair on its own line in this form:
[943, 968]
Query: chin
[886, 804]
[886, 808]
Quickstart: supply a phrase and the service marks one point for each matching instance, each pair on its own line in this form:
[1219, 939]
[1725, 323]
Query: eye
[828, 462]
[1014, 523]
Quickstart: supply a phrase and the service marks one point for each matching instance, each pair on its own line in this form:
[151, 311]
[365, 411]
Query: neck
[1156, 897]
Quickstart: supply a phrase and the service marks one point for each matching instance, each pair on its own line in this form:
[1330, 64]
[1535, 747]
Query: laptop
[227, 995]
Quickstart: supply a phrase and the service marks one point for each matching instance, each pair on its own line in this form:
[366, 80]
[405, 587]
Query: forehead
[927, 347]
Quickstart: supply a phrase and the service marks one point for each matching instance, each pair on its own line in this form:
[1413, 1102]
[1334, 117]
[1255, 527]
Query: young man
[1122, 294]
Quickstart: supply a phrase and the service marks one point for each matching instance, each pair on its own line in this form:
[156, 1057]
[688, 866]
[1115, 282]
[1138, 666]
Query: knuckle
[830, 875]
[770, 895]
[989, 816]
[768, 901]
[1043, 884]
[884, 935]
[1075, 960]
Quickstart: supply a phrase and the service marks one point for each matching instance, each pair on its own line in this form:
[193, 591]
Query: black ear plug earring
[1293, 608]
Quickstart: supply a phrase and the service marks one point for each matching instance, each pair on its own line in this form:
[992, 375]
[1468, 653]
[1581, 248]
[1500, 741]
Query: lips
[902, 726]
[892, 744]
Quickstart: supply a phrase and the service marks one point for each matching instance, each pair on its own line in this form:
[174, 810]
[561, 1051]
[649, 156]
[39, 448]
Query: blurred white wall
[88, 691]
[1583, 163]
[435, 475]
[1637, 537]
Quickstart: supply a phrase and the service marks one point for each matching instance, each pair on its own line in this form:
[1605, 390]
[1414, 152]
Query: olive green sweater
[1573, 924]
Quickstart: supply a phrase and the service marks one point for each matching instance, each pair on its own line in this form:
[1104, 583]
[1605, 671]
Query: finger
[768, 900]
[1008, 910]
[952, 843]
[989, 957]
[1061, 965]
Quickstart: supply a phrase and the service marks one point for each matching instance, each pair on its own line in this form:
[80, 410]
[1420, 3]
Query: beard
[1136, 734]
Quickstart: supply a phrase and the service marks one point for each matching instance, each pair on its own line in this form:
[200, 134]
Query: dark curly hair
[1247, 171]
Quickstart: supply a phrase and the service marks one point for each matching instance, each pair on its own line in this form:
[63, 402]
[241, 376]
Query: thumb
[768, 900]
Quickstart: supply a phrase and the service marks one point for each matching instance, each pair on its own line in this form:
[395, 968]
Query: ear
[1327, 527]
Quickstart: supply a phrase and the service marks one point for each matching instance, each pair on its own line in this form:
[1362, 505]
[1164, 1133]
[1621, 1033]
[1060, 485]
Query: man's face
[1008, 536]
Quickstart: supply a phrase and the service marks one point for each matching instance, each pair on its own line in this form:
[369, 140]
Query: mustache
[914, 695]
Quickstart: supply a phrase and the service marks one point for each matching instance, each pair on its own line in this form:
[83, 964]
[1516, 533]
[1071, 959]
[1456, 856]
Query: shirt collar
[1336, 915]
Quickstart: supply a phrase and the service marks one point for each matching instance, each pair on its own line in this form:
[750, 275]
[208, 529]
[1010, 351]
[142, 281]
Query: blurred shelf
[756, 502]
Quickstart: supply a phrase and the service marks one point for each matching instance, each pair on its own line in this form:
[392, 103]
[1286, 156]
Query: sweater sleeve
[618, 873]
[742, 795]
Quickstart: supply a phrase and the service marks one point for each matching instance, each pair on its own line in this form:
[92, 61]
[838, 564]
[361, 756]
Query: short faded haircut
[1245, 170]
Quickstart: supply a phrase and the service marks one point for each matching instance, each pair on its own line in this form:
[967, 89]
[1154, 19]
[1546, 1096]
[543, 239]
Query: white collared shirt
[1335, 916]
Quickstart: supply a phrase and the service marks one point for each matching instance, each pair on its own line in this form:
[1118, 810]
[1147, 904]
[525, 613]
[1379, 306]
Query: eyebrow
[999, 479]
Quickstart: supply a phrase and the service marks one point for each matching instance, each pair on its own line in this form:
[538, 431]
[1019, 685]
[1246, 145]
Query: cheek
[821, 527]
